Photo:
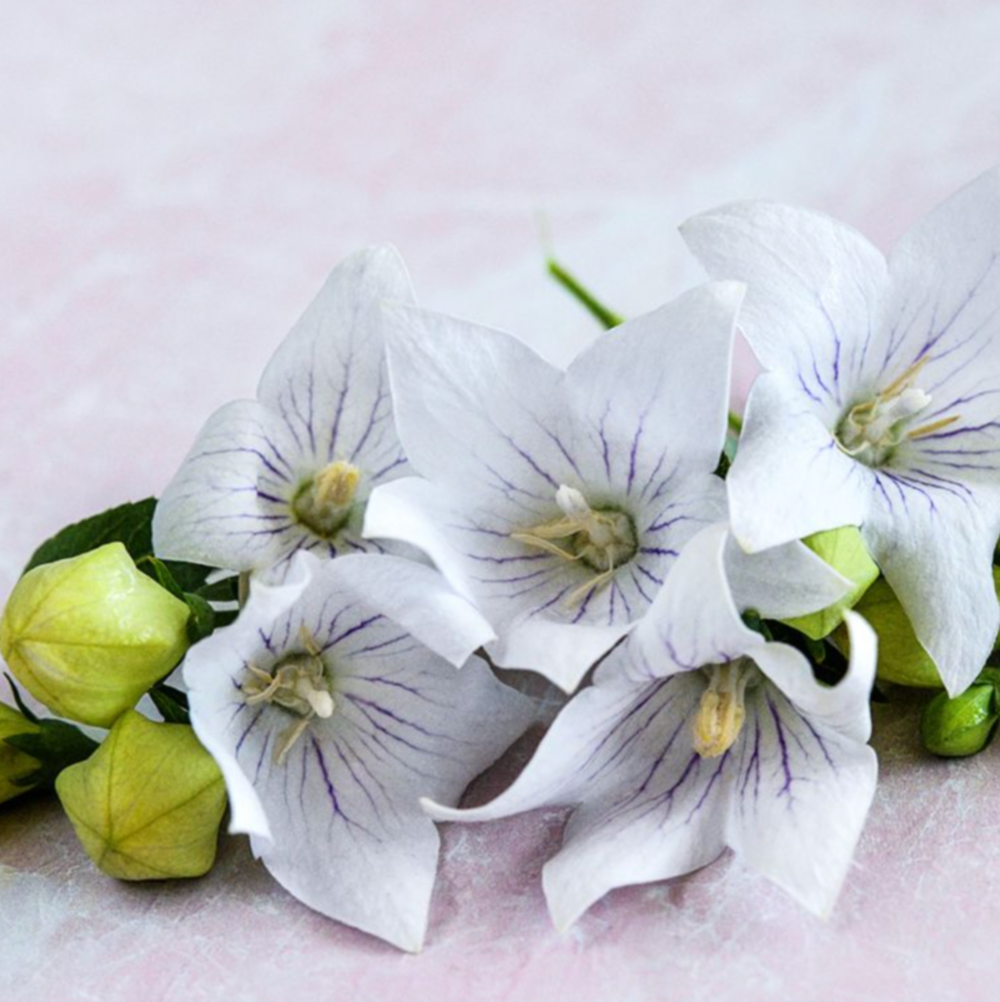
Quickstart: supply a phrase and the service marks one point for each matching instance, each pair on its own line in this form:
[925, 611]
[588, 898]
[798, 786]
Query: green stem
[735, 423]
[579, 292]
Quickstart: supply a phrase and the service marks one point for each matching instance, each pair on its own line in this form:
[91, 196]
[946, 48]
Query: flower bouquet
[327, 619]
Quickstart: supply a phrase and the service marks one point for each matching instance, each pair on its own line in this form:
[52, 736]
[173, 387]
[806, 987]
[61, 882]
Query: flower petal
[476, 408]
[228, 505]
[693, 620]
[658, 810]
[342, 828]
[651, 806]
[782, 582]
[522, 591]
[844, 707]
[801, 790]
[675, 362]
[210, 689]
[935, 543]
[814, 292]
[790, 479]
[328, 382]
[420, 600]
[943, 306]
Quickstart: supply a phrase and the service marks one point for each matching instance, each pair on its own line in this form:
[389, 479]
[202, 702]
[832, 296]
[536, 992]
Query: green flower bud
[89, 635]
[844, 550]
[148, 803]
[15, 766]
[901, 657]
[964, 725]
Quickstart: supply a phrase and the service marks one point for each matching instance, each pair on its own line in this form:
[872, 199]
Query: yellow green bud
[844, 550]
[964, 725]
[901, 657]
[15, 766]
[89, 635]
[148, 803]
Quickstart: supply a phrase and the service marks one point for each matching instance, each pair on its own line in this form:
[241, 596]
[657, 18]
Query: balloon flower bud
[844, 550]
[901, 657]
[16, 767]
[89, 635]
[966, 724]
[148, 803]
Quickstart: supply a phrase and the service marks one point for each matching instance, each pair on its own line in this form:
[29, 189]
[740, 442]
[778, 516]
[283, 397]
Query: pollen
[298, 684]
[324, 503]
[601, 540]
[722, 711]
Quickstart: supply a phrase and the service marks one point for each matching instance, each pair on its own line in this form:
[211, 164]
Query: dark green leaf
[55, 746]
[21, 705]
[226, 590]
[171, 702]
[130, 524]
[202, 621]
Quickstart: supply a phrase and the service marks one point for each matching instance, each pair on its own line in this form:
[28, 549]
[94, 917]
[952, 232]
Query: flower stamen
[871, 431]
[720, 715]
[324, 503]
[298, 684]
[600, 539]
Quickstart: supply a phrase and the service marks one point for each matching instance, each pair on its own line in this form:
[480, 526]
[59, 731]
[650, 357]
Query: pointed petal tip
[439, 812]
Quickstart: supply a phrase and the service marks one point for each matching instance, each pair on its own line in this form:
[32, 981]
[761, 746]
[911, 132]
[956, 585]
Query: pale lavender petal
[659, 357]
[935, 543]
[229, 504]
[328, 381]
[813, 303]
[790, 479]
[800, 793]
[344, 831]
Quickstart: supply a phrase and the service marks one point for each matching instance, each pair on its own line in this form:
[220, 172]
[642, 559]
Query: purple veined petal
[660, 357]
[693, 620]
[814, 296]
[650, 807]
[328, 381]
[655, 809]
[800, 793]
[790, 479]
[337, 822]
[935, 543]
[477, 409]
[545, 615]
[229, 504]
[943, 301]
[419, 599]
[782, 582]
[844, 707]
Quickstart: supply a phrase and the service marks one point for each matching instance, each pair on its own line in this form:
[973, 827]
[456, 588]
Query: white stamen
[298, 685]
[871, 431]
[600, 539]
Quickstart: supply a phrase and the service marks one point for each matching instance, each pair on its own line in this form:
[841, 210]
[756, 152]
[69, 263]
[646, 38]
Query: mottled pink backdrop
[175, 181]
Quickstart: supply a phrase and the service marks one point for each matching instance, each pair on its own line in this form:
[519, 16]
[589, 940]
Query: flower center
[600, 539]
[720, 715]
[299, 684]
[324, 503]
[871, 431]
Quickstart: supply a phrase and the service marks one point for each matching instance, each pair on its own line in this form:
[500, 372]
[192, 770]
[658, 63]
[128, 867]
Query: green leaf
[202, 621]
[172, 704]
[56, 745]
[130, 524]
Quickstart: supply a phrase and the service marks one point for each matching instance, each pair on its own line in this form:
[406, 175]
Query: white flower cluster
[409, 489]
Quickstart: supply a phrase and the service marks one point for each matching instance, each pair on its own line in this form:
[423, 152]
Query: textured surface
[176, 182]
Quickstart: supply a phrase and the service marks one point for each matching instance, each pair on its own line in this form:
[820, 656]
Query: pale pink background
[175, 181]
